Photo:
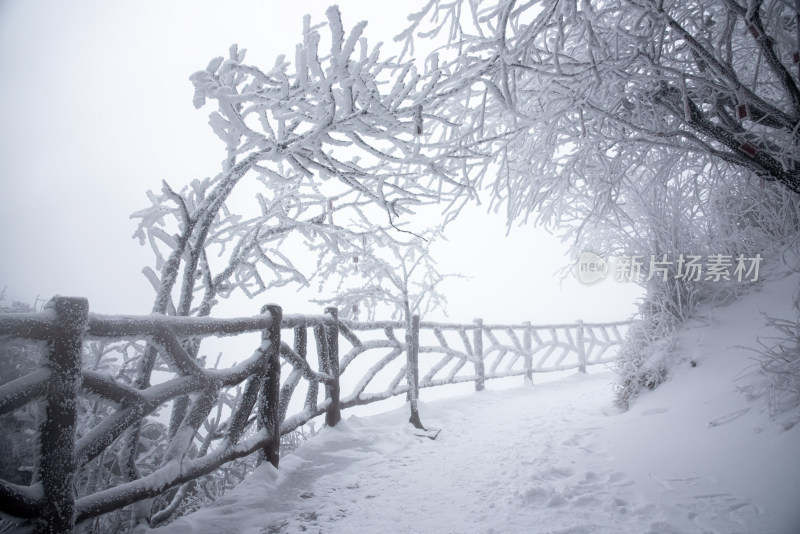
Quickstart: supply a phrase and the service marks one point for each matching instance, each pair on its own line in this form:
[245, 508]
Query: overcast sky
[96, 109]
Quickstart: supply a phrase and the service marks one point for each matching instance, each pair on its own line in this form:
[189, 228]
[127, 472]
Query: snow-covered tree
[589, 110]
[339, 129]
[578, 91]
[643, 127]
[382, 273]
[586, 108]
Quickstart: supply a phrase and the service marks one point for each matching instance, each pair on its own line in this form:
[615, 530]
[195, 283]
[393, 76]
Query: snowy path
[693, 456]
[534, 459]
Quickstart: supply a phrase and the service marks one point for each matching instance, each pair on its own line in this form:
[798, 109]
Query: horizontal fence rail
[230, 413]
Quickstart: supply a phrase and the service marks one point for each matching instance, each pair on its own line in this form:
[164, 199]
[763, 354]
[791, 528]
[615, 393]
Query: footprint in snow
[555, 473]
[655, 411]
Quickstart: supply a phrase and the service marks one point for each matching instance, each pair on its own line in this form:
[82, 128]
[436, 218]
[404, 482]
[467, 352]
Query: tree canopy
[571, 97]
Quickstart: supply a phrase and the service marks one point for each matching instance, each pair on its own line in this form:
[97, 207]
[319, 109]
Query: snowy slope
[693, 456]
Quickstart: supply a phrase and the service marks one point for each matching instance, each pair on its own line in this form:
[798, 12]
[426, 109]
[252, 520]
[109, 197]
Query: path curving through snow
[530, 459]
[693, 456]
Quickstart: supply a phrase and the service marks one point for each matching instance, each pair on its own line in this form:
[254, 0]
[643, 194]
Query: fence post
[333, 414]
[57, 433]
[527, 346]
[269, 410]
[581, 349]
[478, 354]
[412, 369]
[301, 348]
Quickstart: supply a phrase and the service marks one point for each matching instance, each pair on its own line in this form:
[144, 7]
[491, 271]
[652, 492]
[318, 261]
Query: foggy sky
[96, 109]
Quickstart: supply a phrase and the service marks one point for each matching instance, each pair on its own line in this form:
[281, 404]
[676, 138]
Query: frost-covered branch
[562, 91]
[340, 130]
[381, 271]
[632, 127]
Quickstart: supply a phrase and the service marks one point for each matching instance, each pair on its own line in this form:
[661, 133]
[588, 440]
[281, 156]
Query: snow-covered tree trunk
[412, 369]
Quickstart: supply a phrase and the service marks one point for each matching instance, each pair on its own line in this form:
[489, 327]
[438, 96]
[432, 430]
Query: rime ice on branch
[338, 132]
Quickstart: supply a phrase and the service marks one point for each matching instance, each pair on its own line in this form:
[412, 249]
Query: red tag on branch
[742, 111]
[749, 149]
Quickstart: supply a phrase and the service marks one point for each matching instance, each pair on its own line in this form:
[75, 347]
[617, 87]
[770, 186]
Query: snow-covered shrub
[297, 437]
[192, 496]
[642, 361]
[195, 494]
[722, 212]
[18, 437]
[779, 367]
[753, 216]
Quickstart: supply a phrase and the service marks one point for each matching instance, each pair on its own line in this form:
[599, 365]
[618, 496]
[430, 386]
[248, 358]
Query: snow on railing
[371, 368]
[455, 353]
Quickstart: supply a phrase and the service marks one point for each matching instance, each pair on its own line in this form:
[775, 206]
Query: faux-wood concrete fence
[451, 353]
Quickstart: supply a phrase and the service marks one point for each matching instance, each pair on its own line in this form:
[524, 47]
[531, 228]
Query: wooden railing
[441, 353]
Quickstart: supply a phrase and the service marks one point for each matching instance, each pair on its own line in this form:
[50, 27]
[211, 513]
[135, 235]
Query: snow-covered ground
[695, 455]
